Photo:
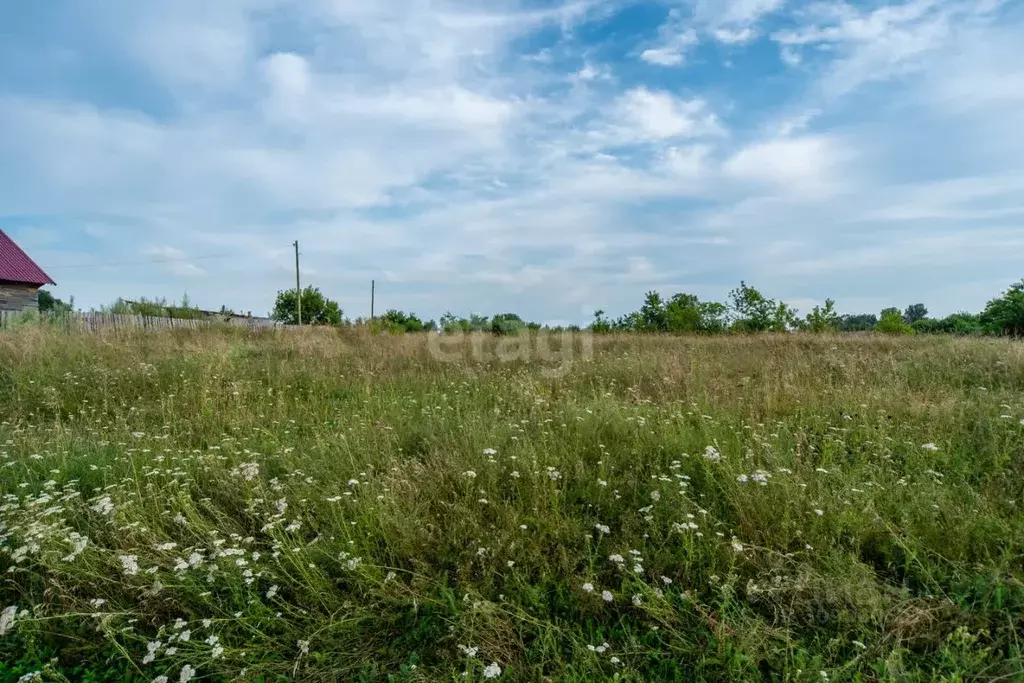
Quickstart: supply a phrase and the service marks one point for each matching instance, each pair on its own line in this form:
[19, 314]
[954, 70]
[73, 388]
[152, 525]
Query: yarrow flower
[617, 559]
[602, 528]
[187, 672]
[130, 563]
[711, 453]
[929, 447]
[7, 618]
[490, 451]
[588, 587]
[492, 670]
[607, 596]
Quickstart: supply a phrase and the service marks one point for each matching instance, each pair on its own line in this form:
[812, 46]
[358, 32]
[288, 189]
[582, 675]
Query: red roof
[16, 266]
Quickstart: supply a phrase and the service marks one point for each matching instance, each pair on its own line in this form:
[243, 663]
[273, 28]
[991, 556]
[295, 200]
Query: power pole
[298, 286]
[373, 291]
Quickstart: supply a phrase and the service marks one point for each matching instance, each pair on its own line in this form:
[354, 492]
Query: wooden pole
[373, 291]
[298, 286]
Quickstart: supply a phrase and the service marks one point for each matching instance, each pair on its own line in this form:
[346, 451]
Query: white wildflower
[819, 512]
[160, 679]
[303, 646]
[588, 587]
[617, 559]
[607, 596]
[492, 670]
[7, 618]
[929, 447]
[247, 470]
[665, 580]
[469, 473]
[468, 651]
[272, 591]
[736, 545]
[743, 479]
[638, 600]
[490, 451]
[130, 563]
[711, 453]
[187, 672]
[602, 528]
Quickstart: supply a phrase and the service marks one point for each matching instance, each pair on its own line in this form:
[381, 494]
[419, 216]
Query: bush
[892, 323]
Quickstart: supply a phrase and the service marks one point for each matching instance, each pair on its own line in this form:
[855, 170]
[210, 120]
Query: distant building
[20, 278]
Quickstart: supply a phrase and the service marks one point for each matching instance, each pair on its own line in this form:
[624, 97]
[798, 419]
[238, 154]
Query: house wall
[18, 297]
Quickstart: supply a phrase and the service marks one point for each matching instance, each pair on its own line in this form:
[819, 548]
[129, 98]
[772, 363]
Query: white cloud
[801, 164]
[658, 115]
[735, 36]
[676, 37]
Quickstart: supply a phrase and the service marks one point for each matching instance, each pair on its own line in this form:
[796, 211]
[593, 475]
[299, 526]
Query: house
[20, 278]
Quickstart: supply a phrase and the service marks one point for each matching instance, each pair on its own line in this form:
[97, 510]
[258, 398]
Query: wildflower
[7, 618]
[859, 644]
[272, 591]
[819, 512]
[160, 679]
[469, 473]
[104, 506]
[247, 470]
[602, 528]
[607, 596]
[185, 636]
[468, 651]
[929, 447]
[492, 670]
[166, 546]
[617, 559]
[638, 600]
[588, 587]
[187, 672]
[553, 474]
[490, 451]
[614, 660]
[207, 623]
[743, 479]
[665, 580]
[736, 545]
[515, 474]
[97, 602]
[130, 563]
[510, 564]
[711, 453]
[216, 652]
[303, 646]
[151, 650]
[602, 482]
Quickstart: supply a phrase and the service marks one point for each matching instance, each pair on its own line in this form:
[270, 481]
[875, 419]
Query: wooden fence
[99, 322]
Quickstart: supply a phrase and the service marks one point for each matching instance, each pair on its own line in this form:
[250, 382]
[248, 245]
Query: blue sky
[548, 157]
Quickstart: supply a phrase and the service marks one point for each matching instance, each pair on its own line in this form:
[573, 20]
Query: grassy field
[326, 506]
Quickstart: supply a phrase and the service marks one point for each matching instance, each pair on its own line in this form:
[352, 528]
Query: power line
[139, 263]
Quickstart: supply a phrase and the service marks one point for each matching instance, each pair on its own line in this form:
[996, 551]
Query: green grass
[336, 512]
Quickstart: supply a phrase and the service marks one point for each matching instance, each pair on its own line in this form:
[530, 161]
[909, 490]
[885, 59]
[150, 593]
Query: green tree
[858, 322]
[1005, 315]
[914, 313]
[822, 319]
[507, 323]
[891, 322]
[48, 303]
[316, 308]
[652, 313]
[756, 313]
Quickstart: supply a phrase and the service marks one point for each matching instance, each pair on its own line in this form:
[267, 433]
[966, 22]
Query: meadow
[325, 505]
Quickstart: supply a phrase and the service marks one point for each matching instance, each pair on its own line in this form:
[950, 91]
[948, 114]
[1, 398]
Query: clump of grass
[332, 506]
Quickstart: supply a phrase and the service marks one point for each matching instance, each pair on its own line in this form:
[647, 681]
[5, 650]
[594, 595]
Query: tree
[823, 319]
[507, 323]
[48, 303]
[914, 313]
[652, 313]
[757, 313]
[1005, 315]
[316, 308]
[891, 322]
[858, 322]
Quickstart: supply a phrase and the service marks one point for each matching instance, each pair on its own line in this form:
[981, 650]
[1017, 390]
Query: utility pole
[298, 286]
[373, 291]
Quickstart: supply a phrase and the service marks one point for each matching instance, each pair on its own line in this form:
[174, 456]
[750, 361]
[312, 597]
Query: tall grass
[331, 506]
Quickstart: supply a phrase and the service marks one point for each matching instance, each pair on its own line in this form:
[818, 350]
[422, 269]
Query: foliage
[48, 303]
[155, 308]
[891, 322]
[756, 313]
[859, 322]
[316, 308]
[319, 505]
[397, 322]
[822, 319]
[914, 313]
[507, 323]
[1005, 315]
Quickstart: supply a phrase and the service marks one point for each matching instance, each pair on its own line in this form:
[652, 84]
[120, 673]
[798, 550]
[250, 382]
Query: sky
[548, 157]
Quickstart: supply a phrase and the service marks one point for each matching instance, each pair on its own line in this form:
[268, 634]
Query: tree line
[746, 311]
